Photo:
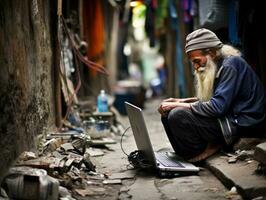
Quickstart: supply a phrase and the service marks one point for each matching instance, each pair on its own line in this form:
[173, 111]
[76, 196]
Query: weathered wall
[25, 76]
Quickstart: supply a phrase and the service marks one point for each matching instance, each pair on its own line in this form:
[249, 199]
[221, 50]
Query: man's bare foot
[210, 150]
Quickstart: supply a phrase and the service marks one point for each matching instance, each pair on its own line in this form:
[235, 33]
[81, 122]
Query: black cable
[122, 140]
[138, 160]
[135, 158]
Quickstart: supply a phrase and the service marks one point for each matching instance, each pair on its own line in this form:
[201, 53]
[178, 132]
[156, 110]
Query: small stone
[233, 190]
[114, 181]
[124, 189]
[63, 192]
[258, 198]
[260, 153]
[232, 160]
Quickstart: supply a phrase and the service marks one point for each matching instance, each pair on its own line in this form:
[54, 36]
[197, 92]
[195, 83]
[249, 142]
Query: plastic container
[30, 183]
[102, 102]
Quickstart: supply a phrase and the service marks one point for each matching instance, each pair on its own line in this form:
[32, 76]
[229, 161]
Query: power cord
[122, 140]
[135, 158]
[138, 160]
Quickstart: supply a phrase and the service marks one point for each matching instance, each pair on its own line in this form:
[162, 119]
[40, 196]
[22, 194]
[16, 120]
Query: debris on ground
[64, 159]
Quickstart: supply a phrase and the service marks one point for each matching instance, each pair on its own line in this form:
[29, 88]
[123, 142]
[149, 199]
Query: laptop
[166, 163]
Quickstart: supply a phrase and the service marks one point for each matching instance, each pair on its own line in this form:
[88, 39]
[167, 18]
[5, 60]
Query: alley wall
[25, 76]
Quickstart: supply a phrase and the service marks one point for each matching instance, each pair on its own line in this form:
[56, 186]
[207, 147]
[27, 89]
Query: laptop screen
[140, 131]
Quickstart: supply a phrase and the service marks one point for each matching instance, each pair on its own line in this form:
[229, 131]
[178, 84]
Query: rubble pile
[65, 160]
[249, 151]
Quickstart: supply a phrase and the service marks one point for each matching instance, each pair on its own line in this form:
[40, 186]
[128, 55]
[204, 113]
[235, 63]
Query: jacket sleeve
[223, 96]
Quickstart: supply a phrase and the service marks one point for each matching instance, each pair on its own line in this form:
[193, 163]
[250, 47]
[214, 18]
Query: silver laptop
[167, 163]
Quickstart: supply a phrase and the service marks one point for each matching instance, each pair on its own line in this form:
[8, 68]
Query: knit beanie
[202, 39]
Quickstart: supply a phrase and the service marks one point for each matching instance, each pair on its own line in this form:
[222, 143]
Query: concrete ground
[140, 185]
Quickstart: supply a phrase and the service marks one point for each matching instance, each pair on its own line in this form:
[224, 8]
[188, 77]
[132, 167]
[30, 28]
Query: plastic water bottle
[102, 103]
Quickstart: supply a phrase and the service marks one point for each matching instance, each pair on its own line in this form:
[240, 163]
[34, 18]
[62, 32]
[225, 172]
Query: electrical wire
[136, 158]
[121, 141]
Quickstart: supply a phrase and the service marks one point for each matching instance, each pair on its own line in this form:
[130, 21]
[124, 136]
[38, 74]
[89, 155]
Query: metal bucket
[30, 183]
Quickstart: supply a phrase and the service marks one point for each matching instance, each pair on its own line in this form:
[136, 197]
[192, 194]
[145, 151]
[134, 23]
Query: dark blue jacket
[239, 98]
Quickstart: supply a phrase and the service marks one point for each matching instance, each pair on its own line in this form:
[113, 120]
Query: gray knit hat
[202, 39]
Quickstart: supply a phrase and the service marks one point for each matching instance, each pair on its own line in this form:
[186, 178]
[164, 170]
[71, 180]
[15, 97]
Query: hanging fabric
[213, 14]
[94, 31]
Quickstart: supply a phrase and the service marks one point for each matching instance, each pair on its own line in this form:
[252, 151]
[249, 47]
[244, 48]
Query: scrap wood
[69, 162]
[56, 163]
[100, 142]
[66, 135]
[52, 144]
[67, 146]
[27, 155]
[40, 163]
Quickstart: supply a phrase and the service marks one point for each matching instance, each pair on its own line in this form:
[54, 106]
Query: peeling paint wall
[25, 76]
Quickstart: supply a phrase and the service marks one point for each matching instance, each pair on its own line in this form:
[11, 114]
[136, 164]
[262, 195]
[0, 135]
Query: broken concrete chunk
[229, 154]
[84, 192]
[124, 196]
[124, 189]
[260, 153]
[92, 183]
[86, 160]
[250, 161]
[74, 155]
[232, 159]
[90, 192]
[53, 144]
[244, 154]
[67, 146]
[63, 192]
[56, 163]
[75, 170]
[94, 152]
[62, 163]
[98, 190]
[56, 154]
[37, 163]
[123, 175]
[27, 155]
[92, 173]
[69, 162]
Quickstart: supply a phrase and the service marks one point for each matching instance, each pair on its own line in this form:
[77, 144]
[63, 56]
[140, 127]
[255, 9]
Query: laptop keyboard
[167, 161]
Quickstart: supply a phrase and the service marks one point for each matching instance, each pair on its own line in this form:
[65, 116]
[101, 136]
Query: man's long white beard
[205, 80]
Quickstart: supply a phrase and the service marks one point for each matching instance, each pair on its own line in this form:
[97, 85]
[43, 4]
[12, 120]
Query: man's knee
[179, 115]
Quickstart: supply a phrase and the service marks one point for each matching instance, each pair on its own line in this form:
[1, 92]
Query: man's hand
[166, 106]
[170, 104]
